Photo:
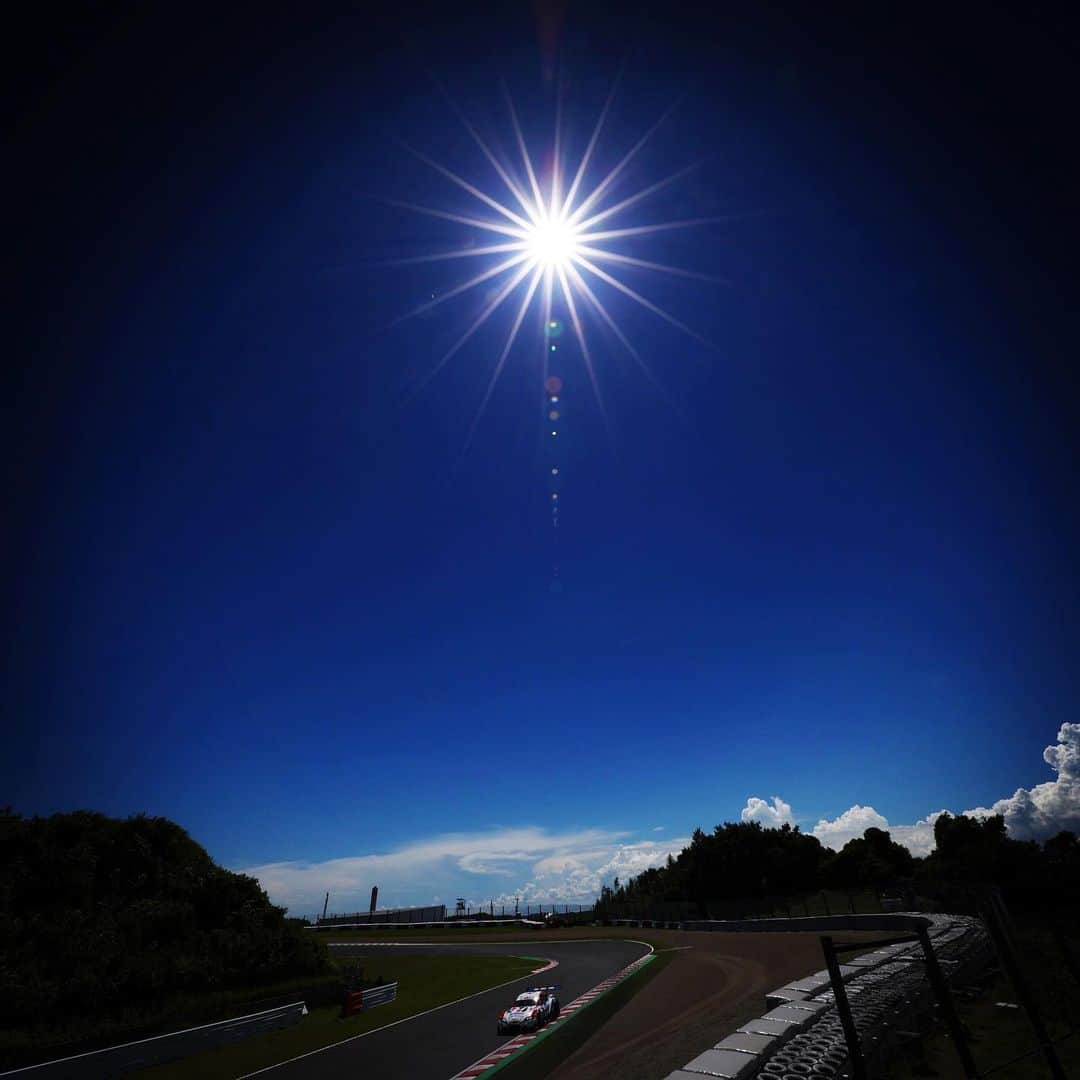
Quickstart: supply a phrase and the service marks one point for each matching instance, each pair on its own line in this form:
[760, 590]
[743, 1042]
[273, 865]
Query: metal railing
[380, 995]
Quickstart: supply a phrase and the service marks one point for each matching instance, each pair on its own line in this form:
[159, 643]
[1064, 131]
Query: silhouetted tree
[99, 915]
[870, 861]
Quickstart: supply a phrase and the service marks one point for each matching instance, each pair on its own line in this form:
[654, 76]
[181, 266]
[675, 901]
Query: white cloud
[852, 823]
[1052, 806]
[577, 878]
[455, 863]
[570, 867]
[1035, 814]
[917, 838]
[772, 817]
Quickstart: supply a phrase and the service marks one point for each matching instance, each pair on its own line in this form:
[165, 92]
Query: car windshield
[526, 999]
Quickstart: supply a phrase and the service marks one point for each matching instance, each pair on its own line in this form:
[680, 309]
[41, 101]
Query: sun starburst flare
[551, 242]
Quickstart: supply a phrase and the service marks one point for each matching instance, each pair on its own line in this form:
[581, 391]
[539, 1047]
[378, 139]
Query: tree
[871, 861]
[100, 916]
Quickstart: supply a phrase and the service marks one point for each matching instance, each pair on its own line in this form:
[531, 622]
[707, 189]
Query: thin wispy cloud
[475, 865]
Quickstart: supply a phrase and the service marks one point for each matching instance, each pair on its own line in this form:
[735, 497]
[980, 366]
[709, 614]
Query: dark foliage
[732, 862]
[103, 917]
[873, 861]
[743, 862]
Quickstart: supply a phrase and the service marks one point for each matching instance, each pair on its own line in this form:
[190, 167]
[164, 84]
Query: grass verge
[998, 1035]
[425, 983]
[546, 1052]
[60, 1037]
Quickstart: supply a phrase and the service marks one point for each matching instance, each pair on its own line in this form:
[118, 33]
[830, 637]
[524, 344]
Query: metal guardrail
[117, 1060]
[463, 923]
[380, 995]
[899, 922]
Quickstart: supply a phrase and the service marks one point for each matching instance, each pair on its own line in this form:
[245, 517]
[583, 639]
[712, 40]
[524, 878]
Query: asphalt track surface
[437, 1045]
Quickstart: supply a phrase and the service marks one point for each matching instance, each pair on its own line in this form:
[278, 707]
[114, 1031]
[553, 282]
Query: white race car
[531, 1010]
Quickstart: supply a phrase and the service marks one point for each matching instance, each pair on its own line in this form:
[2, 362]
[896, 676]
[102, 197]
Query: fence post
[948, 1011]
[1066, 952]
[847, 1022]
[994, 916]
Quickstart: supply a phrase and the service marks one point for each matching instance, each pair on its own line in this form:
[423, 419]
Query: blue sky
[256, 589]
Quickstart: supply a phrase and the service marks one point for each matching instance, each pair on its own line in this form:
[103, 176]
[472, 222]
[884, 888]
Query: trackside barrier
[380, 995]
[846, 1020]
[464, 923]
[117, 1060]
[361, 1000]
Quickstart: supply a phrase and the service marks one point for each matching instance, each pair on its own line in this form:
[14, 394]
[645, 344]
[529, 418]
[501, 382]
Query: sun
[553, 245]
[553, 239]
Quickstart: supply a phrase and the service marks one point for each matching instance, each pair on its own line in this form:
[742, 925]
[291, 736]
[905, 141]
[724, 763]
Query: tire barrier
[118, 1060]
[801, 1037]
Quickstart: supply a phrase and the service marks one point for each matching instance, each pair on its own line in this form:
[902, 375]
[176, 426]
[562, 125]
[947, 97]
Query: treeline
[746, 861]
[104, 919]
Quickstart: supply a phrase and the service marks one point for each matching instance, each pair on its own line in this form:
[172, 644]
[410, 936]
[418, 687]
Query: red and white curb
[499, 1055]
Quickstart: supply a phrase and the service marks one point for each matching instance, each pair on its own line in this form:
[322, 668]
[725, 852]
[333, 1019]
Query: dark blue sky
[251, 590]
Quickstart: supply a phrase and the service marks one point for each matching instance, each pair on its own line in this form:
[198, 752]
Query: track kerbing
[498, 1057]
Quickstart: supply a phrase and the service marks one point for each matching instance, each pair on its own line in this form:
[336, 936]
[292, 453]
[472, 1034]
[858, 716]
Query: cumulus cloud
[1046, 809]
[852, 823]
[570, 867]
[772, 817]
[1035, 814]
[917, 838]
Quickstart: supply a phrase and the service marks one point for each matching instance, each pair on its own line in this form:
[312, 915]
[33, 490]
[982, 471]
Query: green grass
[425, 982]
[1000, 1034]
[508, 934]
[59, 1037]
[545, 1053]
[997, 1036]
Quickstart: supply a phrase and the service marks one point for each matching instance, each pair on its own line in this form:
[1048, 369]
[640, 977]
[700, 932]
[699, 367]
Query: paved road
[438, 1045]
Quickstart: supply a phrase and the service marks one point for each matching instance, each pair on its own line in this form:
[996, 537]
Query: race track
[439, 1044]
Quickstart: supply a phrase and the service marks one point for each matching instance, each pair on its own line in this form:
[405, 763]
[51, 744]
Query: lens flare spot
[553, 384]
[554, 472]
[553, 415]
